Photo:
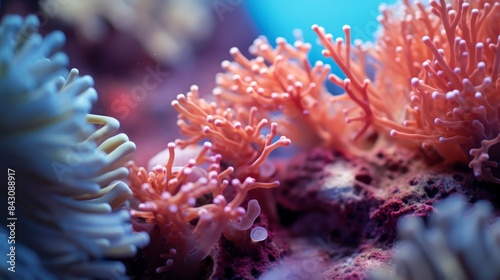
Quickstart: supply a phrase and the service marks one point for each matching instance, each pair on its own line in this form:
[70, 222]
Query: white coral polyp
[68, 193]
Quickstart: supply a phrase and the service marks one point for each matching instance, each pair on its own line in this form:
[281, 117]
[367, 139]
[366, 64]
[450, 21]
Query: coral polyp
[283, 84]
[443, 62]
[235, 133]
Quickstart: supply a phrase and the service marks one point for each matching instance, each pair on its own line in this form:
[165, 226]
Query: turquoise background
[279, 19]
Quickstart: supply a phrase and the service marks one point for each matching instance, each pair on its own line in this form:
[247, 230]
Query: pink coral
[439, 65]
[235, 134]
[174, 199]
[283, 84]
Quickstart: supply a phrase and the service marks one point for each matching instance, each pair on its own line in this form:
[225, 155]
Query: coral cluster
[283, 84]
[235, 133]
[439, 66]
[68, 195]
[187, 198]
[172, 198]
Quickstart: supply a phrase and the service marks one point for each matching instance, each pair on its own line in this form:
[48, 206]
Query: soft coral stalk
[440, 66]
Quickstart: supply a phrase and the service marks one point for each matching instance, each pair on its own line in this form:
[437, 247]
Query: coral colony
[421, 125]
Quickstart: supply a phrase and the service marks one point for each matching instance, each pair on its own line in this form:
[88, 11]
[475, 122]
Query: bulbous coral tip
[224, 64]
[393, 133]
[180, 97]
[426, 39]
[173, 208]
[286, 141]
[187, 171]
[219, 199]
[249, 180]
[217, 91]
[315, 27]
[241, 211]
[234, 50]
[414, 81]
[218, 122]
[280, 40]
[194, 88]
[207, 144]
[258, 234]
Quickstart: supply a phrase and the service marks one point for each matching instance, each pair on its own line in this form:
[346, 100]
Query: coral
[285, 87]
[420, 110]
[459, 243]
[188, 204]
[438, 66]
[349, 206]
[235, 134]
[443, 62]
[67, 194]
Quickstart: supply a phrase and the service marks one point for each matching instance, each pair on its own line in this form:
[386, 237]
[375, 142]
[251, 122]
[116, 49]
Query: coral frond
[439, 66]
[235, 135]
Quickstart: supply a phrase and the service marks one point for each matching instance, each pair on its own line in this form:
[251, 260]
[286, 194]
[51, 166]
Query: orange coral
[236, 135]
[172, 198]
[284, 86]
[439, 66]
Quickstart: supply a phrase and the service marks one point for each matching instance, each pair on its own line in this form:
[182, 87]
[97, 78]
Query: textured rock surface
[349, 206]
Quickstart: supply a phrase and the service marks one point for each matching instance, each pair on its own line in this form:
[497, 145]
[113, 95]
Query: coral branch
[287, 89]
[235, 135]
[444, 82]
[175, 199]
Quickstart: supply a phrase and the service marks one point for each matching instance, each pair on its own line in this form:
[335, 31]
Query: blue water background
[279, 19]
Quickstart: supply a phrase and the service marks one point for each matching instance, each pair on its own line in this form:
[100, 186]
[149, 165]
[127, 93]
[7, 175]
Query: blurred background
[142, 53]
